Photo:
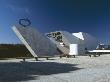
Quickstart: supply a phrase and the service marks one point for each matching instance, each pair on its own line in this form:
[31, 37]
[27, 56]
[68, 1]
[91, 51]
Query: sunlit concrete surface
[37, 43]
[90, 42]
[79, 69]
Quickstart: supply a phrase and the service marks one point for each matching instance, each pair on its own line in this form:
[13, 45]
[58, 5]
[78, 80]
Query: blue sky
[91, 16]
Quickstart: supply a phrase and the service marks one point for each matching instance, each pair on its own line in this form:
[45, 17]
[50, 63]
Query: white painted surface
[79, 35]
[73, 49]
[99, 51]
[76, 49]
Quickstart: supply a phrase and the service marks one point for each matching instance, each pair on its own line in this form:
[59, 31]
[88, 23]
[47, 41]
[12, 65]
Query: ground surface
[79, 69]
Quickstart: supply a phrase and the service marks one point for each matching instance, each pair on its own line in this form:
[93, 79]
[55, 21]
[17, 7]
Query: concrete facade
[64, 39]
[38, 44]
[55, 43]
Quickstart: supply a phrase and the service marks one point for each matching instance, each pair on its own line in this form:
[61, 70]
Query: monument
[37, 43]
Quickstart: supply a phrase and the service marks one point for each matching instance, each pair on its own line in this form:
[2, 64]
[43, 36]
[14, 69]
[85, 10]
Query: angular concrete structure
[38, 44]
[63, 37]
[63, 40]
[73, 43]
[88, 40]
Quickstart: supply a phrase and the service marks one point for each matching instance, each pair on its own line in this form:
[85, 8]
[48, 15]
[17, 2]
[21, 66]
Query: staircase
[63, 49]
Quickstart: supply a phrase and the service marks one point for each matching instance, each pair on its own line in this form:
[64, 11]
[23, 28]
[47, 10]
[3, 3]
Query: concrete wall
[67, 39]
[38, 44]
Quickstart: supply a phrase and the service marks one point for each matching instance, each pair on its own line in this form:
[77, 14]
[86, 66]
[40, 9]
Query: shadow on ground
[11, 72]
